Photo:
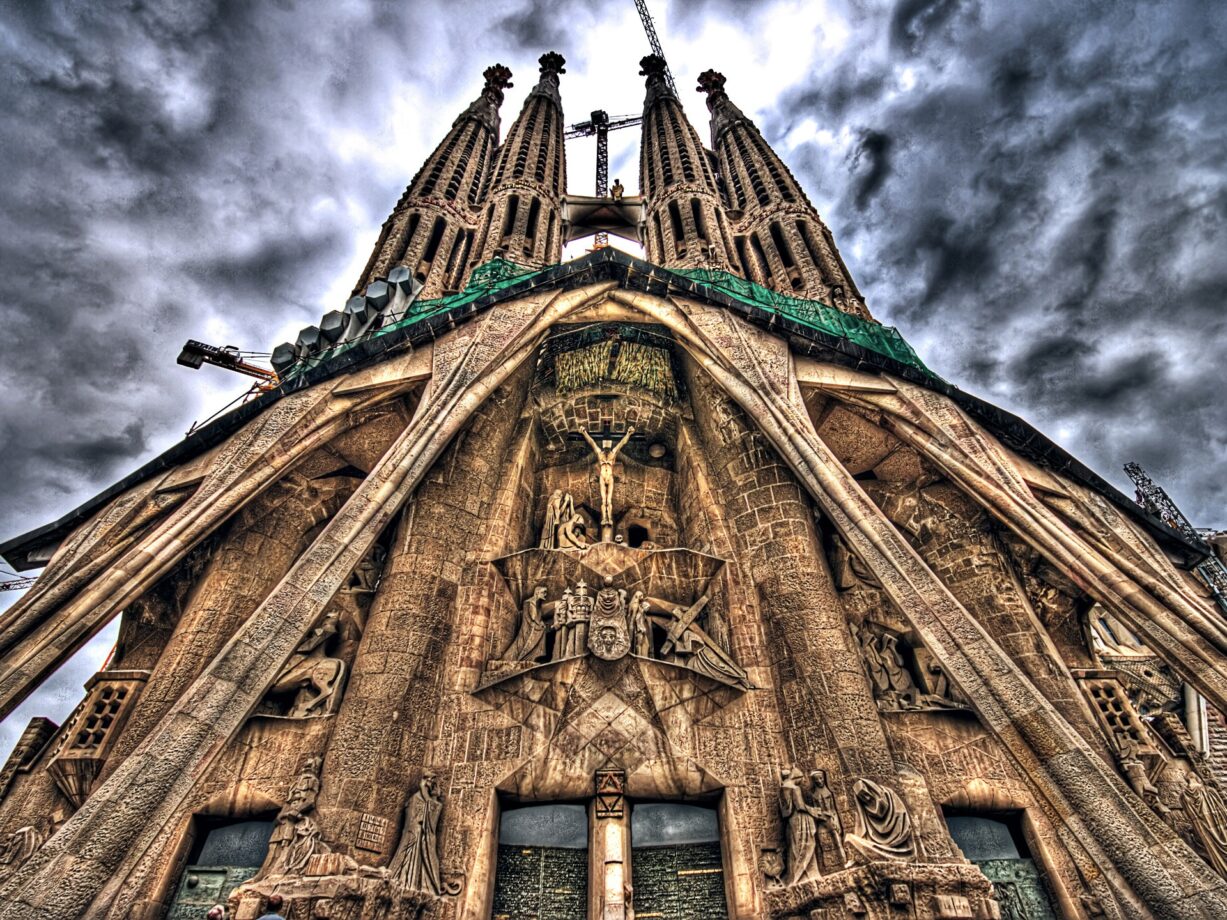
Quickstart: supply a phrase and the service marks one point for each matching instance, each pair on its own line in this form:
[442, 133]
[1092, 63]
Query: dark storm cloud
[1035, 194]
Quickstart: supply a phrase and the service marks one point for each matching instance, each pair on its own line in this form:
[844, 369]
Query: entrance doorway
[542, 869]
[995, 843]
[226, 854]
[676, 866]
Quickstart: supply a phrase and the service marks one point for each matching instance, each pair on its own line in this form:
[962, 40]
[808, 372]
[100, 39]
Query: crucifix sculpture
[605, 457]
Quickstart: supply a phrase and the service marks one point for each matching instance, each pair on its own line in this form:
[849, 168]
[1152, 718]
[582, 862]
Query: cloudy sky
[1032, 192]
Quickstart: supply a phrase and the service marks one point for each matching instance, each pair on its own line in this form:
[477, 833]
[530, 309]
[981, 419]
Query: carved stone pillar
[825, 700]
[954, 537]
[389, 716]
[263, 543]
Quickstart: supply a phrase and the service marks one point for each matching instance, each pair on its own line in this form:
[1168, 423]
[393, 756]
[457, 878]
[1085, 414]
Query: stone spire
[686, 225]
[430, 231]
[779, 238]
[522, 221]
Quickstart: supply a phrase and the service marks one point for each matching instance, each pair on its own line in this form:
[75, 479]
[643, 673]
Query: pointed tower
[686, 226]
[430, 231]
[522, 217]
[523, 600]
[780, 240]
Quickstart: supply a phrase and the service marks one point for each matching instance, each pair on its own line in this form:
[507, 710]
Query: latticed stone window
[92, 729]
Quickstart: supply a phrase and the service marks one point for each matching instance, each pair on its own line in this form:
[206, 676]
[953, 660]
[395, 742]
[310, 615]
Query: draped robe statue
[801, 830]
[883, 826]
[1207, 812]
[416, 863]
[529, 643]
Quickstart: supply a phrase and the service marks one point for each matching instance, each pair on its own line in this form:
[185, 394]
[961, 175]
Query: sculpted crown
[498, 78]
[712, 83]
[552, 62]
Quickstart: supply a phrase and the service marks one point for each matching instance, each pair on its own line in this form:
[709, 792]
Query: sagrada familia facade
[674, 587]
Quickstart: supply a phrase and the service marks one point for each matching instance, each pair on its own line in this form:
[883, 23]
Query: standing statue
[286, 851]
[883, 826]
[801, 830]
[827, 814]
[1207, 812]
[315, 676]
[415, 866]
[605, 457]
[18, 847]
[1129, 755]
[559, 511]
[641, 627]
[561, 626]
[529, 643]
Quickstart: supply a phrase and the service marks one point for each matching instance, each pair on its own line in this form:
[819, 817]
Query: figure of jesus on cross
[605, 457]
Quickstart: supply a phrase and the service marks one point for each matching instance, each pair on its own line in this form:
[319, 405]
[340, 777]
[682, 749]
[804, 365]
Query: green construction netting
[885, 340]
[498, 274]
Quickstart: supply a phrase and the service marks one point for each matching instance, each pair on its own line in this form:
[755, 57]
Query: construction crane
[195, 354]
[16, 584]
[650, 27]
[1152, 497]
[601, 124]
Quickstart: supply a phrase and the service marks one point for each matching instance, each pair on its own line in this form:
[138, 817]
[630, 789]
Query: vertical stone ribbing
[686, 226]
[782, 241]
[523, 209]
[431, 228]
[389, 716]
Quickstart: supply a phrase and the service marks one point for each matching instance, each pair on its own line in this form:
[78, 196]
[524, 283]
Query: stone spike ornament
[560, 564]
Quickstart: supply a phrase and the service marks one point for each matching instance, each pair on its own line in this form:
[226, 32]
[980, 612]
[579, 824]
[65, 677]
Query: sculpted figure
[641, 628]
[827, 814]
[311, 672]
[692, 646]
[801, 830]
[1207, 812]
[19, 846]
[883, 826]
[286, 846]
[605, 458]
[529, 643]
[572, 534]
[560, 509]
[561, 625]
[1135, 771]
[892, 684]
[416, 863]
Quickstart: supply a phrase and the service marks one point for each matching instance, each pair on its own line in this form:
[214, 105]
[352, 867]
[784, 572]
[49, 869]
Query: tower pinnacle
[779, 238]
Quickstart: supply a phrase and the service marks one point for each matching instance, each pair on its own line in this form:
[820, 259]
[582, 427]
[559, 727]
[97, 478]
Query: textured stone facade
[608, 545]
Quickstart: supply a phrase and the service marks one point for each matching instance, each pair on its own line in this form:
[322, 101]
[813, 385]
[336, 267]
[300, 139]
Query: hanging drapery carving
[416, 865]
[1207, 812]
[883, 825]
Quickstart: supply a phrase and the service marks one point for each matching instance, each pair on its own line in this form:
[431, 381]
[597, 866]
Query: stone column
[390, 716]
[259, 549]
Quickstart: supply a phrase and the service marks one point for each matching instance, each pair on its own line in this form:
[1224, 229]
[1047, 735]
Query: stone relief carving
[688, 644]
[609, 633]
[296, 836]
[900, 684]
[808, 817]
[570, 625]
[564, 526]
[18, 847]
[1207, 813]
[416, 864]
[310, 683]
[883, 825]
[529, 643]
[606, 455]
[1128, 753]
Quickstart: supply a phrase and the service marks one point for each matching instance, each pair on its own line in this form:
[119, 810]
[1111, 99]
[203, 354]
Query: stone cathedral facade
[674, 587]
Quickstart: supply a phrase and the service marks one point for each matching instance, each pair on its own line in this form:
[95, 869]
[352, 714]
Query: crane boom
[645, 16]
